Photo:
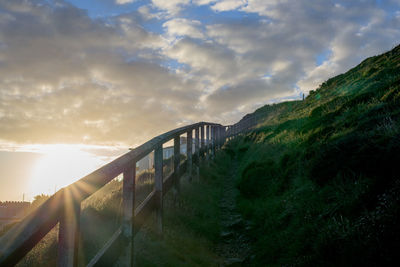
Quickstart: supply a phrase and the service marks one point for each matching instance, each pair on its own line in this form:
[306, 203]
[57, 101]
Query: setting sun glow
[60, 166]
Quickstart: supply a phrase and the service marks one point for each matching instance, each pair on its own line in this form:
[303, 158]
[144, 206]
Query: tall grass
[318, 178]
[191, 222]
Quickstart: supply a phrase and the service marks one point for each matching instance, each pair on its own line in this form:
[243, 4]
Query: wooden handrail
[64, 205]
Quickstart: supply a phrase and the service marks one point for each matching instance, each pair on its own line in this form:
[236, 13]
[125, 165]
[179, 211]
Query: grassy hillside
[318, 177]
[317, 183]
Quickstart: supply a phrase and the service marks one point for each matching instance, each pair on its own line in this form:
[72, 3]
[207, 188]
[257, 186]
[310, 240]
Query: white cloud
[203, 2]
[353, 43]
[184, 27]
[352, 32]
[269, 8]
[65, 77]
[172, 7]
[226, 5]
[209, 62]
[123, 2]
[146, 13]
[61, 70]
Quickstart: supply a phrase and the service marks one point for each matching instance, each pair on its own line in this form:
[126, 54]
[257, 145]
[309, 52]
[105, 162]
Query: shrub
[255, 177]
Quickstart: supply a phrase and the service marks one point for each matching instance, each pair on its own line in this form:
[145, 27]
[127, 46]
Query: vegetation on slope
[191, 228]
[191, 223]
[318, 178]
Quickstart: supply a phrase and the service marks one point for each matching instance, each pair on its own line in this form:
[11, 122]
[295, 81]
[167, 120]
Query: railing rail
[64, 207]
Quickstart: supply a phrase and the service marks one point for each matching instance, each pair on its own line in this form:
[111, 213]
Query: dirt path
[234, 247]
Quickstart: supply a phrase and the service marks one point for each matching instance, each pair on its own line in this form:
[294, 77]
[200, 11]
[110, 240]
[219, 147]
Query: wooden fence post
[177, 161]
[128, 200]
[197, 142]
[224, 129]
[207, 143]
[219, 139]
[65, 206]
[158, 182]
[68, 235]
[212, 142]
[216, 138]
[197, 150]
[189, 147]
[202, 140]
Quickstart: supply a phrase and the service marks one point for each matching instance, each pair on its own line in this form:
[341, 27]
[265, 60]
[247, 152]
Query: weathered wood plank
[142, 212]
[97, 179]
[177, 160]
[197, 151]
[158, 186]
[202, 142]
[207, 142]
[212, 141]
[128, 201]
[218, 137]
[197, 142]
[189, 144]
[68, 235]
[21, 238]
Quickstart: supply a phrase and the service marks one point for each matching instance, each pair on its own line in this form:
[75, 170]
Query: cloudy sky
[117, 72]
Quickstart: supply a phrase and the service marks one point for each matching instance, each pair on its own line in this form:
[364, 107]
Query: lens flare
[60, 166]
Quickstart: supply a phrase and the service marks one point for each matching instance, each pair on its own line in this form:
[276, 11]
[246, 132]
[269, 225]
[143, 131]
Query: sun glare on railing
[60, 166]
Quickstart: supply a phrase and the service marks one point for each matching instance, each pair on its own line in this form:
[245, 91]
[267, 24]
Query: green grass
[191, 223]
[318, 178]
[318, 182]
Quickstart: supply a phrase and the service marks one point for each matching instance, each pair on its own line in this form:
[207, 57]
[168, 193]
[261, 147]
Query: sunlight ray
[60, 166]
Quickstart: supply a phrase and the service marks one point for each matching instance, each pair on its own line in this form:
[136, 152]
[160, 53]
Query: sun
[60, 166]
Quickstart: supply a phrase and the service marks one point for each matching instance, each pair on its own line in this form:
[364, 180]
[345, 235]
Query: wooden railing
[64, 207]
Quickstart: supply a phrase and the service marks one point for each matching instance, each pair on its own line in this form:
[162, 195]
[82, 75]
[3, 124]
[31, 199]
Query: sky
[105, 75]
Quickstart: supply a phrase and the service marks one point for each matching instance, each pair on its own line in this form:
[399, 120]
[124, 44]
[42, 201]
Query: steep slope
[318, 185]
[318, 178]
